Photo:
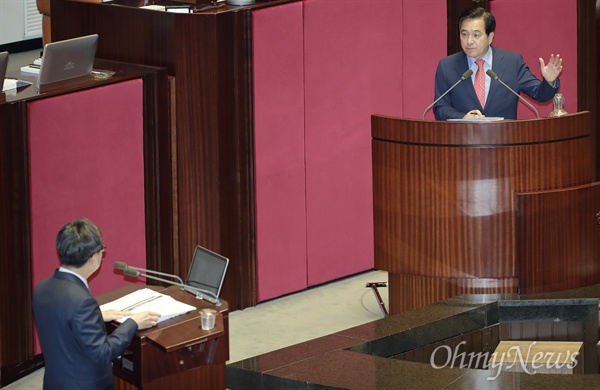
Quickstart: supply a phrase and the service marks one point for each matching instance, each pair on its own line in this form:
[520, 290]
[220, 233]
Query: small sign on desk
[538, 357]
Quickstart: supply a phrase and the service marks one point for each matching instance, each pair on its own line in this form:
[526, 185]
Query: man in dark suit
[476, 35]
[77, 350]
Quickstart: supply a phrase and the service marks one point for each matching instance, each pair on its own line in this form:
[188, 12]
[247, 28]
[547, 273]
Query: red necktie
[480, 82]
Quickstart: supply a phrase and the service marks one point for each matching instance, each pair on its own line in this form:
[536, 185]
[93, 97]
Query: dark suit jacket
[77, 351]
[509, 67]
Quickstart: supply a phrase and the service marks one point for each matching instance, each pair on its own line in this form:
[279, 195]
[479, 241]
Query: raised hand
[553, 69]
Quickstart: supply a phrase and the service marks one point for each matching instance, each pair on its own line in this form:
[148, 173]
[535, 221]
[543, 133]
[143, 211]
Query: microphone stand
[200, 294]
[494, 76]
[464, 76]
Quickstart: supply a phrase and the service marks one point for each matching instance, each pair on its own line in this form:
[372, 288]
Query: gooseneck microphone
[494, 76]
[124, 266]
[135, 272]
[464, 76]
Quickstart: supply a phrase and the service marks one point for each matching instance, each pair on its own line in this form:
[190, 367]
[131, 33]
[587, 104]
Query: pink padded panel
[424, 44]
[279, 148]
[86, 160]
[353, 68]
[515, 31]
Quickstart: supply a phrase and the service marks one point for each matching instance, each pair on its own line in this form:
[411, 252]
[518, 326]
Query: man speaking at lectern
[77, 351]
[479, 95]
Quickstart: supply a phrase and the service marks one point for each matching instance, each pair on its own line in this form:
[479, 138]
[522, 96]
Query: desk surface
[123, 71]
[354, 358]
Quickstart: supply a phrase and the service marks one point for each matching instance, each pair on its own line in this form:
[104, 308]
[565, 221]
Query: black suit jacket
[77, 351]
[510, 68]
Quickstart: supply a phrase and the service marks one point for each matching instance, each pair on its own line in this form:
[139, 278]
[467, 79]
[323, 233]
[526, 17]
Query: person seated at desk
[482, 97]
[77, 350]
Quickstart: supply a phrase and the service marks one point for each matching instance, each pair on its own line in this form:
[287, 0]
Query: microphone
[119, 265]
[200, 293]
[464, 76]
[494, 76]
[124, 266]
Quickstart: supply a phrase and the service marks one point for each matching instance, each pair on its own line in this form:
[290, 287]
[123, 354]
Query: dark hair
[476, 13]
[77, 241]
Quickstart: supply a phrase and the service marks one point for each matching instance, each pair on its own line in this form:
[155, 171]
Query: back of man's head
[77, 241]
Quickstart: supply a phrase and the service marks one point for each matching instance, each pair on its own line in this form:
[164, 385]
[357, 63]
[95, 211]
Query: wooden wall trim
[587, 67]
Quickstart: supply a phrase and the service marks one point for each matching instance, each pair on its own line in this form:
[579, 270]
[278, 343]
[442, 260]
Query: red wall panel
[86, 160]
[538, 28]
[353, 68]
[279, 151]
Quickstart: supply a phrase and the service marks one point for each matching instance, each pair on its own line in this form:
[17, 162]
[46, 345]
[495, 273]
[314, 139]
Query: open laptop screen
[207, 271]
[67, 59]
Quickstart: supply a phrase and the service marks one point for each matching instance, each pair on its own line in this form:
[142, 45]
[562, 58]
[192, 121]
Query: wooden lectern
[465, 207]
[177, 353]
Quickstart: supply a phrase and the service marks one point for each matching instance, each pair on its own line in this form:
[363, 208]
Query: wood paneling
[444, 198]
[587, 67]
[16, 324]
[558, 243]
[176, 353]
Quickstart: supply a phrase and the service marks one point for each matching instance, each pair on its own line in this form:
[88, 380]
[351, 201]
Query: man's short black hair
[77, 241]
[476, 13]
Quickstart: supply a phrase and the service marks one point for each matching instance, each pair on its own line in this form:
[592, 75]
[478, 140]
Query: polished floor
[290, 320]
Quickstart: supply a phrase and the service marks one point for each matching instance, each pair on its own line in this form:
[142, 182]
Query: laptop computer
[67, 59]
[207, 271]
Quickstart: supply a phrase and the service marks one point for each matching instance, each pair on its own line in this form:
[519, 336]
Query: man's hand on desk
[111, 315]
[145, 319]
[474, 114]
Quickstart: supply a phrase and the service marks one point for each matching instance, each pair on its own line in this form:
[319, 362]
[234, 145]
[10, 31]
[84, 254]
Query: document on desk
[13, 84]
[149, 300]
[481, 119]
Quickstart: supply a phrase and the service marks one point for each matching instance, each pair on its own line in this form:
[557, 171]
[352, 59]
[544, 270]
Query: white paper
[9, 84]
[149, 300]
[478, 119]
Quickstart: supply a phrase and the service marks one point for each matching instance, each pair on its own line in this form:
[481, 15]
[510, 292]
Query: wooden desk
[445, 206]
[176, 353]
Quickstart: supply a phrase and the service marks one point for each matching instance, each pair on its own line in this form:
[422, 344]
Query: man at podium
[479, 95]
[77, 350]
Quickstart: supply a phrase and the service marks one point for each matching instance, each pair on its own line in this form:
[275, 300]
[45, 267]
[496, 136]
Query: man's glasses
[102, 250]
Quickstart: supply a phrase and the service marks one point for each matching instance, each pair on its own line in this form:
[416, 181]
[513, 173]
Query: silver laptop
[3, 66]
[207, 271]
[67, 59]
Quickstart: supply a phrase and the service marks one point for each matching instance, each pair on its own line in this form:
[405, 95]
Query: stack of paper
[149, 300]
[32, 68]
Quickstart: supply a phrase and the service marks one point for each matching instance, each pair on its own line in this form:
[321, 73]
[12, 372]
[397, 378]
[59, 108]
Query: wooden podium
[177, 353]
[484, 208]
